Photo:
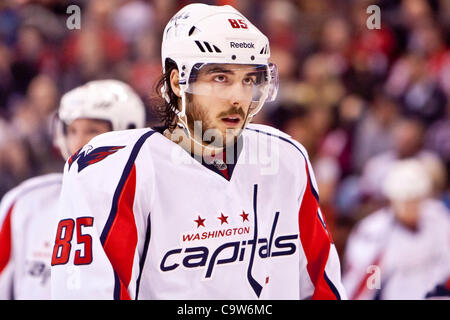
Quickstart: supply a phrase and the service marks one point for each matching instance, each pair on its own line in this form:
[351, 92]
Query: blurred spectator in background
[6, 77]
[96, 50]
[14, 158]
[408, 138]
[27, 138]
[371, 51]
[132, 19]
[374, 133]
[412, 82]
[437, 139]
[400, 251]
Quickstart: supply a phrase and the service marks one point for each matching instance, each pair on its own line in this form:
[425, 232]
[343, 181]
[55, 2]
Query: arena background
[348, 93]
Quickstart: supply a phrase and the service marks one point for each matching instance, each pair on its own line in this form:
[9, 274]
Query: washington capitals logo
[87, 155]
[249, 247]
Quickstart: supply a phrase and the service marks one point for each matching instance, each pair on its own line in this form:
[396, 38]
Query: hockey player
[28, 212]
[400, 251]
[208, 207]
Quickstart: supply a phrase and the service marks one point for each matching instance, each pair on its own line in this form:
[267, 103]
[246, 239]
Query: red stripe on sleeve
[5, 240]
[121, 241]
[316, 243]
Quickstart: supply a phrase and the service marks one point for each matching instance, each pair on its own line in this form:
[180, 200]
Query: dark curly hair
[164, 110]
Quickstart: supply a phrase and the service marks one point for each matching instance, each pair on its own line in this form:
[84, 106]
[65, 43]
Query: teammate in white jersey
[208, 207]
[28, 214]
[401, 251]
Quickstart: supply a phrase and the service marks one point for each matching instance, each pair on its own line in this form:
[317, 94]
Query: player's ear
[174, 82]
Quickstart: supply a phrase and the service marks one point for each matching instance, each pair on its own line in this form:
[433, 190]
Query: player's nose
[236, 95]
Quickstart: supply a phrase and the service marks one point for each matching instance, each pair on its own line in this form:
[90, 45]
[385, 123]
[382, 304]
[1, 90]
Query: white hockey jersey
[385, 260]
[28, 216]
[140, 218]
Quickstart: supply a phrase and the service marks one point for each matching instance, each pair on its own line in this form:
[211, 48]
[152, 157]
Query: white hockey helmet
[200, 35]
[407, 180]
[110, 100]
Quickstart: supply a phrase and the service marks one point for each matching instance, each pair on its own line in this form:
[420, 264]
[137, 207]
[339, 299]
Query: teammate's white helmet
[201, 34]
[407, 180]
[109, 100]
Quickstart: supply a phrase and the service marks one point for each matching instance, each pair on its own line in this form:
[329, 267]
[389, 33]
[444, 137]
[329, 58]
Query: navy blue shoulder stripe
[314, 191]
[123, 179]
[332, 286]
[144, 255]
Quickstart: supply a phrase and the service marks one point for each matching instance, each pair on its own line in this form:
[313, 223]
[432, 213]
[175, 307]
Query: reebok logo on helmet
[242, 45]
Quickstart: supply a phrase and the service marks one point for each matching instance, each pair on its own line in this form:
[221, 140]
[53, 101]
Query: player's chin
[223, 137]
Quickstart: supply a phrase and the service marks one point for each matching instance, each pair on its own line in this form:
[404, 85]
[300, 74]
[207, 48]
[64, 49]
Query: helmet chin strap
[182, 122]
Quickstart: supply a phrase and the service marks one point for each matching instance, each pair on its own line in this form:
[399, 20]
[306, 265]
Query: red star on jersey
[244, 216]
[200, 222]
[222, 218]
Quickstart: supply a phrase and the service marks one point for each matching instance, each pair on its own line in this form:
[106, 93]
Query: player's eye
[221, 78]
[249, 81]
